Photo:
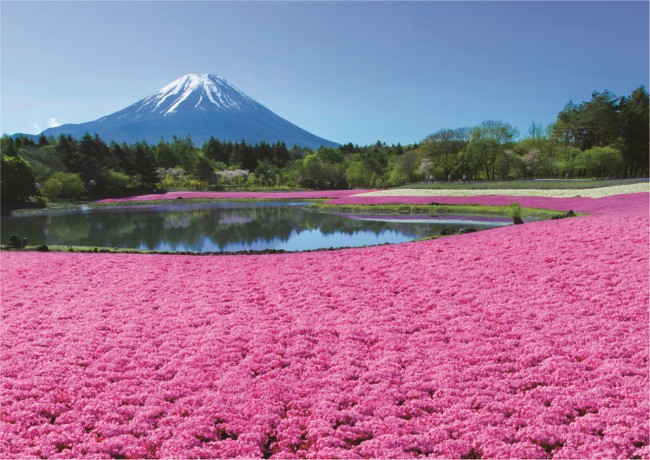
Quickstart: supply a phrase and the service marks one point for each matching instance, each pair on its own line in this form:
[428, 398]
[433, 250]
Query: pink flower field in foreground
[304, 195]
[528, 341]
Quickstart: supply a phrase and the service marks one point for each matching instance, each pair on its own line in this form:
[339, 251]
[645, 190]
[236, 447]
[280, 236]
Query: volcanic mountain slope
[201, 105]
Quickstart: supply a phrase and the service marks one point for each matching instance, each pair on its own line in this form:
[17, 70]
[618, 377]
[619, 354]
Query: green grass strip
[434, 209]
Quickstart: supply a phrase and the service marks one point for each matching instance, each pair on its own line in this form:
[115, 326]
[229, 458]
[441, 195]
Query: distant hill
[200, 105]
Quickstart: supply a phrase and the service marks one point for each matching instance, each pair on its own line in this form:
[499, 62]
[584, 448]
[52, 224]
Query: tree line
[606, 136]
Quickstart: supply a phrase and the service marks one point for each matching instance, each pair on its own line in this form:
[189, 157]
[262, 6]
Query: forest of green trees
[606, 136]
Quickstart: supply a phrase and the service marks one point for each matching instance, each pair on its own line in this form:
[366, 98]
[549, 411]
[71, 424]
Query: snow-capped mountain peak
[195, 91]
[199, 105]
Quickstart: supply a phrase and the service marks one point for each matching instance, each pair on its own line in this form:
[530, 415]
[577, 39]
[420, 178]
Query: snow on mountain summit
[199, 90]
[199, 105]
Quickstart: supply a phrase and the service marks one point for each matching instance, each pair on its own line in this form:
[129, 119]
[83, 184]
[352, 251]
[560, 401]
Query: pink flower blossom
[527, 341]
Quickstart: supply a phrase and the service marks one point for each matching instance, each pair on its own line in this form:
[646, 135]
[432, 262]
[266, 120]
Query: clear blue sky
[349, 72]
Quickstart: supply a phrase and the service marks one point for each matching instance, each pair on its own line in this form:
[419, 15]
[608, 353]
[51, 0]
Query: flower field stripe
[606, 205]
[600, 192]
[527, 341]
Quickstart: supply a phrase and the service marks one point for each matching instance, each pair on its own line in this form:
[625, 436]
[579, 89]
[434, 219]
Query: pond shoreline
[359, 211]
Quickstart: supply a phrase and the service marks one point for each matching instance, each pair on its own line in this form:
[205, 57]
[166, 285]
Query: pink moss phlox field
[528, 341]
[589, 205]
[303, 195]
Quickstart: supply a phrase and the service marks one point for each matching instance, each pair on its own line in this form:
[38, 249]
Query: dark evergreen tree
[349, 148]
[67, 149]
[123, 158]
[593, 123]
[8, 146]
[601, 118]
[228, 152]
[204, 169]
[165, 157]
[248, 156]
[264, 152]
[93, 159]
[216, 151]
[185, 152]
[24, 141]
[280, 154]
[244, 156]
[145, 165]
[634, 130]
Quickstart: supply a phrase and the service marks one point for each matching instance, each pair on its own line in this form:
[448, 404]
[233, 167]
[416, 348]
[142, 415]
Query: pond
[227, 226]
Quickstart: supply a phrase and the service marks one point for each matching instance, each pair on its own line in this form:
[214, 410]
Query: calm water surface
[228, 226]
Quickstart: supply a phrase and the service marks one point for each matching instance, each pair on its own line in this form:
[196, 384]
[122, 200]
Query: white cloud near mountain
[53, 122]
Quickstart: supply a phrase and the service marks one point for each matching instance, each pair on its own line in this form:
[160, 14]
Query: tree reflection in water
[221, 226]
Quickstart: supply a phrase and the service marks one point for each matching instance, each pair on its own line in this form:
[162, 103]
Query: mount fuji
[201, 105]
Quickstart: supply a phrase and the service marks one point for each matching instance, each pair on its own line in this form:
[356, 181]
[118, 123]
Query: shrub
[16, 242]
[171, 178]
[41, 202]
[52, 189]
[71, 185]
[197, 185]
[515, 213]
[116, 183]
[397, 177]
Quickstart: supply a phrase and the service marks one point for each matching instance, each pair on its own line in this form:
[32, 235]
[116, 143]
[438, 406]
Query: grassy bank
[434, 209]
[73, 206]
